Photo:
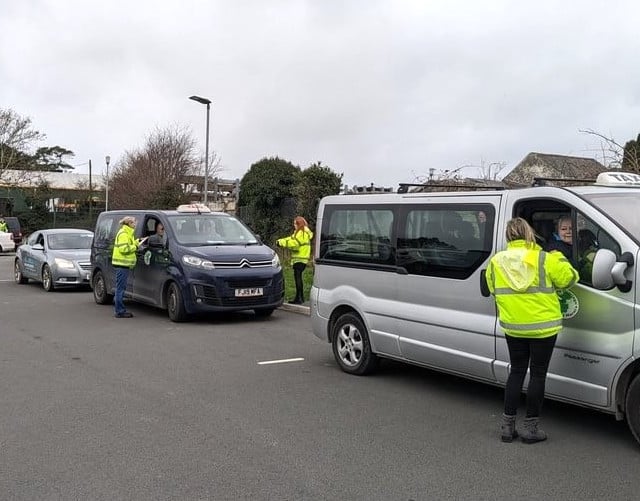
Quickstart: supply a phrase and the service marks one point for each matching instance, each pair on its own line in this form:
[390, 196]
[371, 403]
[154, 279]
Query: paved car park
[93, 407]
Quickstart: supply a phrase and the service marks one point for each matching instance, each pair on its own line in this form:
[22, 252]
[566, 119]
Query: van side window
[445, 241]
[590, 238]
[105, 230]
[358, 234]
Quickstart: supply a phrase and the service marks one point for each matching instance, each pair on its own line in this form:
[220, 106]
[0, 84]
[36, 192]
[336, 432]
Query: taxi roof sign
[618, 179]
[193, 208]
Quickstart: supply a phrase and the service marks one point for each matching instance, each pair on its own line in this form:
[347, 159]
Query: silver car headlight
[64, 264]
[275, 262]
[197, 262]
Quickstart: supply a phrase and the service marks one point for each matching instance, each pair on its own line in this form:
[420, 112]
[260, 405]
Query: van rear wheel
[100, 294]
[632, 407]
[351, 346]
[175, 304]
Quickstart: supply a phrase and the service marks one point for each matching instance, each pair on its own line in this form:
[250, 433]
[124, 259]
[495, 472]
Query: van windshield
[209, 229]
[621, 207]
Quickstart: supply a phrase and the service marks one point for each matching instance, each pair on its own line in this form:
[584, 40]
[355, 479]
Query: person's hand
[143, 240]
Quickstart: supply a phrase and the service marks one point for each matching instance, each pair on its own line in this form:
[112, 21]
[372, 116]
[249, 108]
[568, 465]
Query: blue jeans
[121, 284]
[534, 354]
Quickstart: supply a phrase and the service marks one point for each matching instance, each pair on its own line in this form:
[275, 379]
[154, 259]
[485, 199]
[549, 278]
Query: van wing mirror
[608, 271]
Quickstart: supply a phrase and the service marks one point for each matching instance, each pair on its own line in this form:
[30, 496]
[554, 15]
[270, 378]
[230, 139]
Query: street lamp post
[107, 159]
[204, 100]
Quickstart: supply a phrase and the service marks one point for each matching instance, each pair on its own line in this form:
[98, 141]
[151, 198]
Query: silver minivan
[401, 276]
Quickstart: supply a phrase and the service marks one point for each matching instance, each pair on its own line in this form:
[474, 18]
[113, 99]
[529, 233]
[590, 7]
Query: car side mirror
[608, 271]
[38, 247]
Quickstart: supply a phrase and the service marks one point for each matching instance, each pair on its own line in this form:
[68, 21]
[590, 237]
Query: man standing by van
[3, 225]
[123, 259]
[524, 280]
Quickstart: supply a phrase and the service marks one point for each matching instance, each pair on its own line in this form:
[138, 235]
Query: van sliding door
[444, 244]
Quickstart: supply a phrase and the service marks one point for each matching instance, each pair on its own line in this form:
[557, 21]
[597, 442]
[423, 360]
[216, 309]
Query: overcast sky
[378, 90]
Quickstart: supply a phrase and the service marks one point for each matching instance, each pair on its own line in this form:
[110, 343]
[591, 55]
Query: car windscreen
[69, 241]
[208, 229]
[621, 207]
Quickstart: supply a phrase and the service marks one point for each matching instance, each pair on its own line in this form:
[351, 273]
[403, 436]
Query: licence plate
[254, 291]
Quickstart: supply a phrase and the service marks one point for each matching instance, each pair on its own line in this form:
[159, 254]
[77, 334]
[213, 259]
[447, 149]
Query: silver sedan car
[57, 258]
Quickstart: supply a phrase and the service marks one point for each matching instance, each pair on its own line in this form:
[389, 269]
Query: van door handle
[484, 288]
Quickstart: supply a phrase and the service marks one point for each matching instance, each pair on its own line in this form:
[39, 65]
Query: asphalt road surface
[93, 407]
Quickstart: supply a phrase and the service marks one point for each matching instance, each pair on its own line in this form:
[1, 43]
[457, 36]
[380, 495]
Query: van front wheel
[175, 304]
[632, 407]
[351, 346]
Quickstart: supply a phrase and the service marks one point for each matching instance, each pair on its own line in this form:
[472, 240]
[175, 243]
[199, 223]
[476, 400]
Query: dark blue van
[207, 262]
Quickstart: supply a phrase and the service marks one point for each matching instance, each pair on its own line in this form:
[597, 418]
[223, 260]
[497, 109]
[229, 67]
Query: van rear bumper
[319, 324]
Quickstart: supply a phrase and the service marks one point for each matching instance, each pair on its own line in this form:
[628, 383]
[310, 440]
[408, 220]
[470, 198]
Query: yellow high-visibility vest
[524, 279]
[300, 245]
[125, 247]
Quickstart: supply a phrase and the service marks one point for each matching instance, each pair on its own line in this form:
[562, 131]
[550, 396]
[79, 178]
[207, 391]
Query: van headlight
[64, 263]
[275, 262]
[197, 262]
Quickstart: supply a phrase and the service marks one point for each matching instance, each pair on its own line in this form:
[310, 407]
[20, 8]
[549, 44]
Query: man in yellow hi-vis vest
[123, 259]
[524, 279]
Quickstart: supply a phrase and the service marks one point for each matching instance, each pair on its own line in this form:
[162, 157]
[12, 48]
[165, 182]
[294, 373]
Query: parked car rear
[13, 223]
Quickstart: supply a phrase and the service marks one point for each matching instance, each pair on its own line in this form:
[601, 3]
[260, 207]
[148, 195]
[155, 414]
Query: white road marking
[283, 361]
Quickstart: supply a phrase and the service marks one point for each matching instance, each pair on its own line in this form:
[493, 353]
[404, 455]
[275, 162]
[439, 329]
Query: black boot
[508, 428]
[530, 432]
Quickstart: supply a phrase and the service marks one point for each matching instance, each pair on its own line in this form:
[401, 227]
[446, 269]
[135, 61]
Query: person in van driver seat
[523, 279]
[562, 240]
[159, 238]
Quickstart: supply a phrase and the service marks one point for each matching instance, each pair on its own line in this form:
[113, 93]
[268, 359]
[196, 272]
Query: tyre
[47, 278]
[100, 294]
[351, 346]
[263, 312]
[175, 304]
[632, 407]
[17, 273]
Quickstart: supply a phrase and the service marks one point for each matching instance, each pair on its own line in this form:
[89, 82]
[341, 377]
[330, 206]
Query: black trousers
[298, 268]
[534, 354]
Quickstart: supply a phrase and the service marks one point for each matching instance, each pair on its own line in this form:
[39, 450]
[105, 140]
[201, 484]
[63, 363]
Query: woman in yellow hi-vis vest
[523, 278]
[300, 245]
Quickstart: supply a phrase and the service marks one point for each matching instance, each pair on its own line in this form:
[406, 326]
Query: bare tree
[611, 152]
[155, 176]
[491, 171]
[17, 138]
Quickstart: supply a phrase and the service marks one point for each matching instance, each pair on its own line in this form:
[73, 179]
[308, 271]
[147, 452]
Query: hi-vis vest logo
[569, 304]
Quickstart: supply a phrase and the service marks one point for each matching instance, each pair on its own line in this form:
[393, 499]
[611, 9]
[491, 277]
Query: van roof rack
[542, 181]
[404, 187]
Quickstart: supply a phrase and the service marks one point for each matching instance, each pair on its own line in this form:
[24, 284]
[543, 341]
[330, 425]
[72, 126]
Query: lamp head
[202, 100]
